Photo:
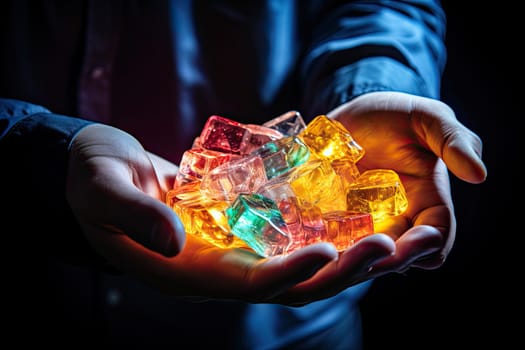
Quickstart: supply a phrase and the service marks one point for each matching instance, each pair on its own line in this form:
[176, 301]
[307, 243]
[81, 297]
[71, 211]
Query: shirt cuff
[370, 75]
[34, 151]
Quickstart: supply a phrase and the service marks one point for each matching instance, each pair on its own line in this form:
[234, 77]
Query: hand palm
[413, 135]
[116, 190]
[390, 143]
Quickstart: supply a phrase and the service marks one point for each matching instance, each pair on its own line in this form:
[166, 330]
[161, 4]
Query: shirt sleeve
[366, 46]
[34, 146]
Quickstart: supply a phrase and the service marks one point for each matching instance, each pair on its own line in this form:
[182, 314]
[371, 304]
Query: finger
[417, 243]
[273, 276]
[450, 140]
[352, 267]
[442, 218]
[212, 272]
[429, 262]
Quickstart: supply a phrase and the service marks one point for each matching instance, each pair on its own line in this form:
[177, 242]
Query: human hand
[418, 138]
[409, 134]
[116, 190]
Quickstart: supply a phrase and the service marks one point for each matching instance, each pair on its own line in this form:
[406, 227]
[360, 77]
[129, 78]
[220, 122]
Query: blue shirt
[159, 69]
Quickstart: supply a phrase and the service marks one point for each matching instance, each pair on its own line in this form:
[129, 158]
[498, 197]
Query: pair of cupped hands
[116, 190]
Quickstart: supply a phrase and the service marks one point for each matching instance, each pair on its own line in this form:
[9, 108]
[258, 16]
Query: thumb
[462, 154]
[148, 221]
[113, 207]
[112, 187]
[458, 146]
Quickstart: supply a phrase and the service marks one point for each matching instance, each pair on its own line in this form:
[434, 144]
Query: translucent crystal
[206, 219]
[228, 136]
[346, 170]
[281, 193]
[345, 228]
[258, 221]
[257, 136]
[184, 191]
[222, 134]
[280, 156]
[329, 139]
[243, 175]
[281, 186]
[306, 224]
[197, 162]
[313, 226]
[289, 124]
[317, 183]
[378, 192]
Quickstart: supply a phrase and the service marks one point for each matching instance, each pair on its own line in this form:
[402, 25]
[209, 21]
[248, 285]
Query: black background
[469, 302]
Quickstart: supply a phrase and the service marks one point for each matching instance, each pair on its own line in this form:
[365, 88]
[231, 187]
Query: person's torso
[171, 63]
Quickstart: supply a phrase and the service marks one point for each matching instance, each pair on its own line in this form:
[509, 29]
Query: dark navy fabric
[159, 69]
